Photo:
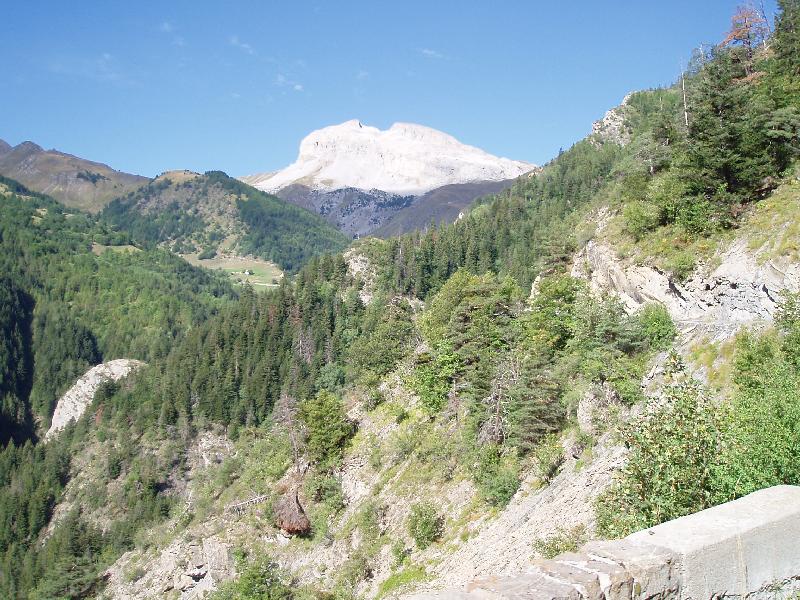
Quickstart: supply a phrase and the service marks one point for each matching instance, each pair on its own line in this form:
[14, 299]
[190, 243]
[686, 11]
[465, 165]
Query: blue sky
[152, 86]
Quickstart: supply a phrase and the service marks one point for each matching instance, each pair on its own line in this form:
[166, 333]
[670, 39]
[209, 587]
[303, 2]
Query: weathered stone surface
[531, 586]
[748, 548]
[736, 549]
[73, 403]
[741, 290]
[652, 569]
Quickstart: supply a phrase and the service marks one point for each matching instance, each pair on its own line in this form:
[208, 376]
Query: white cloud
[237, 43]
[361, 75]
[166, 27]
[430, 53]
[103, 68]
[282, 81]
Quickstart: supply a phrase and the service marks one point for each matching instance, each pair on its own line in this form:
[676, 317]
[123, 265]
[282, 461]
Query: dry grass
[262, 273]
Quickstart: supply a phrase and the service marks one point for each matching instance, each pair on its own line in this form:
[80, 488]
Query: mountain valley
[415, 370]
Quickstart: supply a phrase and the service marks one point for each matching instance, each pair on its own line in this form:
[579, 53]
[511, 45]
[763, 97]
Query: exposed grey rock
[611, 128]
[741, 291]
[73, 403]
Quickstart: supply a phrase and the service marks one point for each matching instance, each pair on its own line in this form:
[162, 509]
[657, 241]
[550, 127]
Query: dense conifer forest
[504, 366]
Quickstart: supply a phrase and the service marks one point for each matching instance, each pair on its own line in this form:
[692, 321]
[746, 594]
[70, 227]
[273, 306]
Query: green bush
[425, 524]
[656, 326]
[640, 217]
[259, 580]
[328, 427]
[432, 378]
[674, 451]
[681, 265]
[497, 476]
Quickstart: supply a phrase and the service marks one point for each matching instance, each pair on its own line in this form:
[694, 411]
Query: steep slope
[358, 176]
[213, 213]
[440, 205]
[76, 182]
[426, 408]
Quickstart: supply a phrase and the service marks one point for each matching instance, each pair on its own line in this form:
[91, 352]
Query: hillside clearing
[255, 271]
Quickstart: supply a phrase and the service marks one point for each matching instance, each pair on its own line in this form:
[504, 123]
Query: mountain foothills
[606, 344]
[212, 213]
[361, 178]
[76, 182]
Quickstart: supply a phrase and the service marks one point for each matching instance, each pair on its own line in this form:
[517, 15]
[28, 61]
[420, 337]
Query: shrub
[425, 524]
[433, 378]
[208, 253]
[328, 427]
[497, 476]
[656, 326]
[681, 265]
[673, 453]
[564, 540]
[640, 217]
[548, 456]
[259, 580]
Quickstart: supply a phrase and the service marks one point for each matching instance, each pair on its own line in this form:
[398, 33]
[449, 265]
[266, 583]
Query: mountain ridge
[360, 177]
[405, 159]
[74, 181]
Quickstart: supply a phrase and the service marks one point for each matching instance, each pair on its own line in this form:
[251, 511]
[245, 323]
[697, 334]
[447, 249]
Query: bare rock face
[73, 403]
[187, 569]
[359, 267]
[503, 546]
[741, 291]
[611, 128]
[404, 159]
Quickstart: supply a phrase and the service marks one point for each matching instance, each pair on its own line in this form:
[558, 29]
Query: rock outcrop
[742, 290]
[612, 128]
[73, 403]
[404, 159]
[188, 569]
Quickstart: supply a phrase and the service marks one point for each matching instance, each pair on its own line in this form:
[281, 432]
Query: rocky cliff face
[744, 288]
[362, 179]
[74, 402]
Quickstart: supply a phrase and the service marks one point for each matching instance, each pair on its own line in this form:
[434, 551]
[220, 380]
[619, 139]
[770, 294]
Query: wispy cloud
[168, 28]
[104, 68]
[431, 53]
[361, 75]
[282, 81]
[244, 47]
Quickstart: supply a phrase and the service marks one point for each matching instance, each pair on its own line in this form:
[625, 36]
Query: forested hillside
[207, 213]
[69, 308]
[480, 322]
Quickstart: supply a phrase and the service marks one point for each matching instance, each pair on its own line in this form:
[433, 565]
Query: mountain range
[360, 179]
[465, 412]
[365, 180]
[74, 181]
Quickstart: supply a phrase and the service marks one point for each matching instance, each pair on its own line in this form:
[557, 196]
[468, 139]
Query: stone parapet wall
[748, 548]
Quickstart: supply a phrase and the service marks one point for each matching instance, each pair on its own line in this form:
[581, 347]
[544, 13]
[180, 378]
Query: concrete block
[739, 548]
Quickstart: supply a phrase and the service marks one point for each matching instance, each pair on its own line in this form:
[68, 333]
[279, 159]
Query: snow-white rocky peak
[73, 403]
[404, 159]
